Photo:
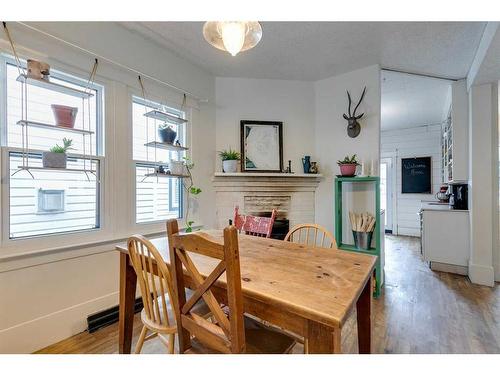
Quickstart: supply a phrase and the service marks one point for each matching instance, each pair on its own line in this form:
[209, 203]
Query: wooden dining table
[308, 291]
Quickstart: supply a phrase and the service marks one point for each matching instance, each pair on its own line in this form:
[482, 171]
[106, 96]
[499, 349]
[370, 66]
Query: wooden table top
[319, 284]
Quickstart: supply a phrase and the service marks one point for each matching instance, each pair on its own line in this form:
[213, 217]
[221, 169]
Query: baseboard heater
[109, 316]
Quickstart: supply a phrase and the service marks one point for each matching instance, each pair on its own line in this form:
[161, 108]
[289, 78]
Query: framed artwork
[261, 146]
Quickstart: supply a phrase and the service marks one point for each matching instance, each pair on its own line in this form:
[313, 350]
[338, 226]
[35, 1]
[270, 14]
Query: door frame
[392, 158]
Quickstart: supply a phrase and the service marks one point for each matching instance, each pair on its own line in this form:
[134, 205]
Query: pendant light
[232, 36]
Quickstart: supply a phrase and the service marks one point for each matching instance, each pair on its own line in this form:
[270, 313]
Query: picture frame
[261, 146]
[416, 175]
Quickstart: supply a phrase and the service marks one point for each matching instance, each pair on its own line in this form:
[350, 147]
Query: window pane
[157, 198]
[39, 101]
[52, 202]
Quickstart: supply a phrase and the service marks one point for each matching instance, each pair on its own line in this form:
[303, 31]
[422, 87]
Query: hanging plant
[191, 190]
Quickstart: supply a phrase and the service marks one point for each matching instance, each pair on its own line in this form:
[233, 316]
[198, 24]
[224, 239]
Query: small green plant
[67, 143]
[348, 160]
[191, 190]
[165, 126]
[229, 155]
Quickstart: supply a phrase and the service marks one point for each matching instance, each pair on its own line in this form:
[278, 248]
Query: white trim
[482, 275]
[484, 45]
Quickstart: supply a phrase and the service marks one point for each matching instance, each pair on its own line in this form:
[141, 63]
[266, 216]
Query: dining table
[308, 291]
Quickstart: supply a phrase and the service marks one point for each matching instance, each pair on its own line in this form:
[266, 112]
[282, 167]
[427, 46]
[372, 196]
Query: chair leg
[171, 343]
[306, 346]
[140, 342]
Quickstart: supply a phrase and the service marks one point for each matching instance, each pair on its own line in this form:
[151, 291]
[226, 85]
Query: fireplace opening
[281, 224]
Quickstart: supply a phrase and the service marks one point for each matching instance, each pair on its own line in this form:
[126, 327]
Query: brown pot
[64, 115]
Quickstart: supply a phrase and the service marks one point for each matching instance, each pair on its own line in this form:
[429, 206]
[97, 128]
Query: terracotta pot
[65, 116]
[348, 169]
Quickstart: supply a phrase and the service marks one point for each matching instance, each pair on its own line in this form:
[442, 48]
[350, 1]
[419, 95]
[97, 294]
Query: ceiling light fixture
[232, 36]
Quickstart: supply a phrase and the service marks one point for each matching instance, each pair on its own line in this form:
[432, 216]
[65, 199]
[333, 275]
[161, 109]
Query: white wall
[291, 102]
[418, 141]
[47, 297]
[332, 141]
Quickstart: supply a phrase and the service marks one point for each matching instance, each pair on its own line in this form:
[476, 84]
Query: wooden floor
[420, 311]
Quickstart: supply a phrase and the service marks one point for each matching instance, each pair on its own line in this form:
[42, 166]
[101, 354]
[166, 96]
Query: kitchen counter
[438, 206]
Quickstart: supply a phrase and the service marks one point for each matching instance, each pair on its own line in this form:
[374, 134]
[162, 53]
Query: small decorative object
[362, 229]
[261, 146]
[64, 115]
[56, 157]
[160, 169]
[38, 69]
[306, 163]
[314, 167]
[230, 160]
[348, 166]
[177, 143]
[176, 167]
[353, 127]
[232, 36]
[289, 168]
[166, 133]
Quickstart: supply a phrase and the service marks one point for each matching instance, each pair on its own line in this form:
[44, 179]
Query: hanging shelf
[167, 175]
[26, 168]
[35, 124]
[43, 83]
[166, 146]
[164, 116]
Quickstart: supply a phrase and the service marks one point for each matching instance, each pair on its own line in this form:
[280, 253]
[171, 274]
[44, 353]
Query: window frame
[134, 98]
[64, 74]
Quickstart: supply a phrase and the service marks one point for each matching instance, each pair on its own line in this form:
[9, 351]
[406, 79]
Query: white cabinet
[445, 239]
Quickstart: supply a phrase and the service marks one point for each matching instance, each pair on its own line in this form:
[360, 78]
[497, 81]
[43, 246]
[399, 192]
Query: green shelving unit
[339, 215]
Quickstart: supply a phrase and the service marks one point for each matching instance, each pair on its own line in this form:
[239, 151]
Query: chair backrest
[312, 235]
[254, 225]
[227, 334]
[156, 289]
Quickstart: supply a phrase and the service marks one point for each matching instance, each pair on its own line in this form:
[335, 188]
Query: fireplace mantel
[291, 193]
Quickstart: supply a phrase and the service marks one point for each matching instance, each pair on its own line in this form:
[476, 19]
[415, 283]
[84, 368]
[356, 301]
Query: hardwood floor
[419, 311]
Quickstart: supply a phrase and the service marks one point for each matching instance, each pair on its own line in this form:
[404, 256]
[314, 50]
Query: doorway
[386, 191]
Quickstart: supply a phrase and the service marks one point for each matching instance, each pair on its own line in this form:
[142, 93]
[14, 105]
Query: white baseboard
[482, 275]
[497, 272]
[38, 333]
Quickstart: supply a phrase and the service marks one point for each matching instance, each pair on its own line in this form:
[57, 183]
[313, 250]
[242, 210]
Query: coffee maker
[459, 195]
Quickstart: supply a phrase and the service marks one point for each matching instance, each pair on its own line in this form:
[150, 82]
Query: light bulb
[233, 36]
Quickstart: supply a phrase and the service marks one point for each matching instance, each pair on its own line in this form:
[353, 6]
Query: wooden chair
[312, 235]
[231, 333]
[254, 225]
[157, 314]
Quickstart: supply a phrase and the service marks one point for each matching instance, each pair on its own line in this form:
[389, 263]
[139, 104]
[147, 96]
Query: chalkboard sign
[416, 175]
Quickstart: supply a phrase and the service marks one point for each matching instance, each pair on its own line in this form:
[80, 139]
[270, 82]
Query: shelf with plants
[166, 175]
[369, 188]
[47, 84]
[42, 125]
[166, 146]
[165, 116]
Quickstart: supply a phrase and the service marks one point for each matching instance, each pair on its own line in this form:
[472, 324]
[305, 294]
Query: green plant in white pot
[56, 157]
[230, 160]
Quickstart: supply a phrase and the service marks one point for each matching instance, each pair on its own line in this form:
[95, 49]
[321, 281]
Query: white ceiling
[410, 101]
[317, 50]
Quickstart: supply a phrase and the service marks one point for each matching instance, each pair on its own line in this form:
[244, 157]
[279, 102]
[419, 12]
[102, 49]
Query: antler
[349, 97]
[360, 99]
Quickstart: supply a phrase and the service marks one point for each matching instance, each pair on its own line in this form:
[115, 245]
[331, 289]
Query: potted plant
[348, 166]
[166, 133]
[230, 160]
[56, 157]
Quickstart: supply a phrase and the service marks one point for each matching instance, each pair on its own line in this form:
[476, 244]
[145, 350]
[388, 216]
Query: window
[158, 197]
[46, 201]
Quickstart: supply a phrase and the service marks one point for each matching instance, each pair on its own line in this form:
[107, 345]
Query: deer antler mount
[353, 126]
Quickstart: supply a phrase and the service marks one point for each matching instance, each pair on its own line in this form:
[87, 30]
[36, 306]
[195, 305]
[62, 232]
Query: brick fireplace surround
[258, 193]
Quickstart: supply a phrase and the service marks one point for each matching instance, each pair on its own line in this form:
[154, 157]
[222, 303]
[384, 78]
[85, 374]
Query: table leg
[128, 284]
[364, 315]
[322, 339]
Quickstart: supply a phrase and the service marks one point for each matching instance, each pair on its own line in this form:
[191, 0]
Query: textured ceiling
[317, 50]
[409, 100]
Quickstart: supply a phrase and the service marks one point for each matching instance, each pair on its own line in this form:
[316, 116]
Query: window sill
[15, 260]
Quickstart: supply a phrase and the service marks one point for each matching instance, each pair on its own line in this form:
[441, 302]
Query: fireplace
[281, 224]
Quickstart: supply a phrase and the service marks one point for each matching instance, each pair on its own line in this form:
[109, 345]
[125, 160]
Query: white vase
[176, 167]
[230, 166]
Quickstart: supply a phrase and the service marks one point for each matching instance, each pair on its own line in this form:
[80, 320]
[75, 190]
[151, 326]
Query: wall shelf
[26, 168]
[166, 146]
[46, 84]
[35, 124]
[164, 116]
